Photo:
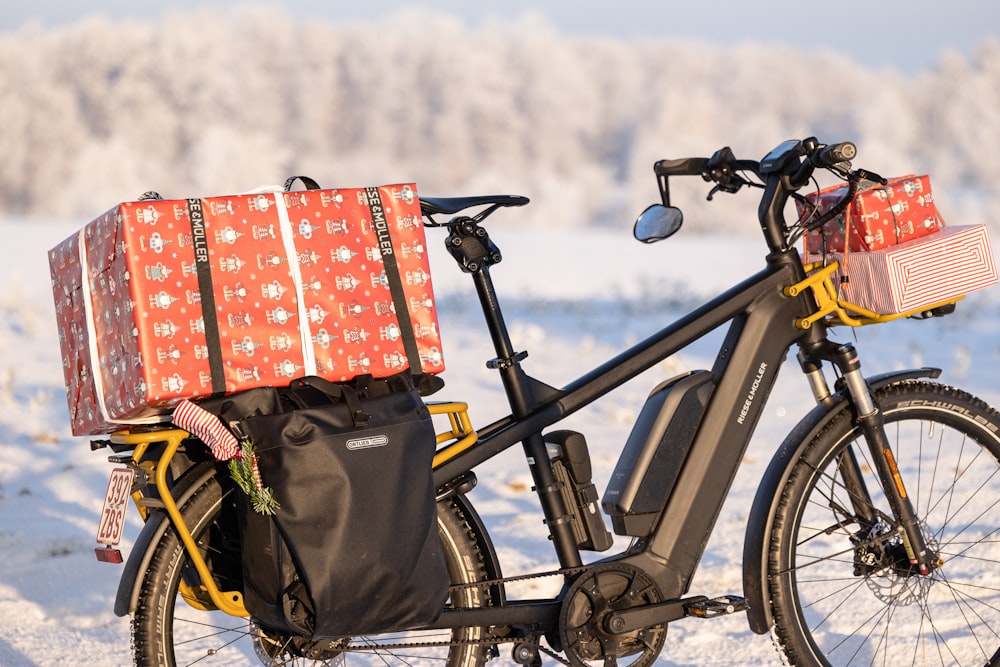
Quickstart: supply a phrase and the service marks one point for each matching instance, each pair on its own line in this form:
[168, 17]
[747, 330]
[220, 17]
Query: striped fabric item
[959, 264]
[942, 266]
[206, 426]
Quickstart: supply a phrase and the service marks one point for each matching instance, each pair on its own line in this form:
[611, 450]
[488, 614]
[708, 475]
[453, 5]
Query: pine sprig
[243, 470]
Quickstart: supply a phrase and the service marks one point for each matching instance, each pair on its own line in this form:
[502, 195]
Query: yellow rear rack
[461, 435]
[458, 438]
[838, 311]
[230, 602]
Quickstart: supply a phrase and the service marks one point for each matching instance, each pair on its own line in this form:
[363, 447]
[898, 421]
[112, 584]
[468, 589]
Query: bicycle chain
[566, 571]
[486, 583]
[359, 648]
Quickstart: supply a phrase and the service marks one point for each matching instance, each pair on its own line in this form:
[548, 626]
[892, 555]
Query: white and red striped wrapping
[905, 277]
[206, 426]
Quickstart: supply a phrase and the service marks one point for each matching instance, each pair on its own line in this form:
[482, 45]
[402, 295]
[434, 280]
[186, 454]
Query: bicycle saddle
[451, 205]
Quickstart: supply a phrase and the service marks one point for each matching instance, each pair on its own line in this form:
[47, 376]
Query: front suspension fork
[870, 421]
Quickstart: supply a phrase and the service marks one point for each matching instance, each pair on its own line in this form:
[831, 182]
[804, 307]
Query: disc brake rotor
[273, 649]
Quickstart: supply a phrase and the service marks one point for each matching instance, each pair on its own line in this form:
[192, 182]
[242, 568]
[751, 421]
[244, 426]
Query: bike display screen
[774, 160]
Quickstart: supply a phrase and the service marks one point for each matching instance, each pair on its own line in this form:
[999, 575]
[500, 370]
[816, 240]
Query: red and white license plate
[109, 533]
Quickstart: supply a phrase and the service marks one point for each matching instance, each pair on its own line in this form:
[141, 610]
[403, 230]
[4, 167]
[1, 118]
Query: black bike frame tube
[536, 613]
[508, 431]
[522, 400]
[514, 382]
[761, 332]
[783, 270]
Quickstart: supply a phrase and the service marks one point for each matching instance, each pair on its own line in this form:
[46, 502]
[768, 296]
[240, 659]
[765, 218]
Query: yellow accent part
[230, 602]
[838, 311]
[891, 461]
[461, 435]
[137, 453]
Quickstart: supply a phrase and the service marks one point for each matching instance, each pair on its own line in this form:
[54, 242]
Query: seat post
[508, 361]
[471, 247]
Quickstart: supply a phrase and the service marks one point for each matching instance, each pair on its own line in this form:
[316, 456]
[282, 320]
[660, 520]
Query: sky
[908, 36]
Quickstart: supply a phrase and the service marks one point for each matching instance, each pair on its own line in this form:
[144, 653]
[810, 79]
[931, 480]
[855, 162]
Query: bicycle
[883, 497]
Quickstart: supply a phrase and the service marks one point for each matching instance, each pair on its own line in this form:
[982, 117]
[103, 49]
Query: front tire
[168, 631]
[841, 589]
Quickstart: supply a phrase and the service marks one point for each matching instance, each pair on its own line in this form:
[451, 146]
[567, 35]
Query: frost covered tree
[101, 111]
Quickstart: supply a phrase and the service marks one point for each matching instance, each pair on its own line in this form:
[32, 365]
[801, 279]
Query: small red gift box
[163, 300]
[917, 273]
[878, 217]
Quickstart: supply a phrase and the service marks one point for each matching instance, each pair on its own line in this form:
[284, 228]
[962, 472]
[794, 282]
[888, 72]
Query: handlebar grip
[688, 166]
[845, 151]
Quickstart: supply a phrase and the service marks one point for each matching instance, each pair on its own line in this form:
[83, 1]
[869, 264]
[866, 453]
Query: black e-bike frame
[760, 333]
[761, 330]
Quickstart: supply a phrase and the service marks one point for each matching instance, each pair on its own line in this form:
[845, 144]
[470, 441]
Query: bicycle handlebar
[784, 171]
[834, 154]
[698, 166]
[688, 166]
[817, 155]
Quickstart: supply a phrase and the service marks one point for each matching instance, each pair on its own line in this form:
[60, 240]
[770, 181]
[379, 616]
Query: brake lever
[730, 183]
[865, 175]
[842, 168]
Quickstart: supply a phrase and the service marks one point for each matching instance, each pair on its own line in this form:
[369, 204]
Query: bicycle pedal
[720, 606]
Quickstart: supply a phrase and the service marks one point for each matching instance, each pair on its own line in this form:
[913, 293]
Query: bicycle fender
[778, 470]
[483, 540]
[149, 537]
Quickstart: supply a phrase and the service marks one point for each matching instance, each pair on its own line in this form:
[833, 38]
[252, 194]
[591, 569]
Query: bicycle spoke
[859, 599]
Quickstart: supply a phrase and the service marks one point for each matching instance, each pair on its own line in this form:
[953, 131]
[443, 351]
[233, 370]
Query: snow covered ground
[573, 298]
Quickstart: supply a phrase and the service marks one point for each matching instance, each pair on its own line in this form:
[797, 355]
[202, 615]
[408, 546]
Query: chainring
[590, 599]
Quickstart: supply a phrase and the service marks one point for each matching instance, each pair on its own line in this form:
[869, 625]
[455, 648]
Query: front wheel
[842, 588]
[170, 628]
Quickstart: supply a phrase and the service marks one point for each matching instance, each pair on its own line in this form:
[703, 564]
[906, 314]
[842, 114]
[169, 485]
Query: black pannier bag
[353, 547]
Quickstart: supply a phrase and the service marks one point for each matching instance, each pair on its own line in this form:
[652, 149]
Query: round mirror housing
[657, 223]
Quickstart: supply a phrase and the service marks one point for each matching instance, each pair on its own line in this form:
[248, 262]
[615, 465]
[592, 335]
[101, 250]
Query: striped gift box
[905, 277]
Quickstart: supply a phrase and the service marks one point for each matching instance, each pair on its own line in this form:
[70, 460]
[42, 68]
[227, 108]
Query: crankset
[609, 611]
[592, 600]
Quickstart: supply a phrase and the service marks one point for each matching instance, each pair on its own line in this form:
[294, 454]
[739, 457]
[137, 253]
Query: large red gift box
[878, 217]
[163, 300]
[905, 277]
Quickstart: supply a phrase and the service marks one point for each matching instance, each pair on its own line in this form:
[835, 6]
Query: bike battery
[655, 451]
[571, 468]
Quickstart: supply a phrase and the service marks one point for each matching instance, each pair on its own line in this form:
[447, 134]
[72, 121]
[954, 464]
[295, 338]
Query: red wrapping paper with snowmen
[879, 216]
[163, 300]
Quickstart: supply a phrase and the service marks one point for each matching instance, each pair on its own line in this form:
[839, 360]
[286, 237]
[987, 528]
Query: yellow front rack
[838, 311]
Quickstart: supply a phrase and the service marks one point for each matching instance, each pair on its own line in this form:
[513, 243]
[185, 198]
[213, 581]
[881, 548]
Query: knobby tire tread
[787, 630]
[159, 584]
